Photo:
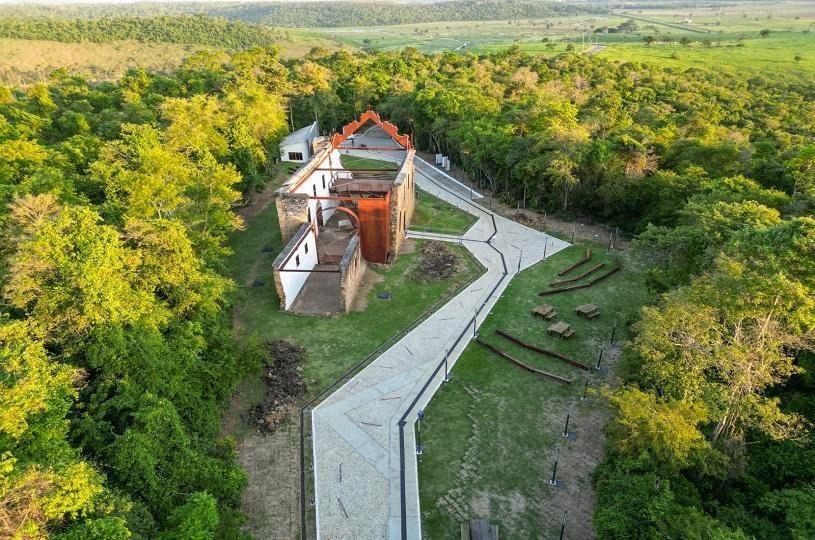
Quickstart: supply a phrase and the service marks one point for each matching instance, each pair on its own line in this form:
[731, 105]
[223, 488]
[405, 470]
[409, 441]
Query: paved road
[358, 454]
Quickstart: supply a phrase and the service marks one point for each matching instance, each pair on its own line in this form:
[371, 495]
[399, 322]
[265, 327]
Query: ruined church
[334, 218]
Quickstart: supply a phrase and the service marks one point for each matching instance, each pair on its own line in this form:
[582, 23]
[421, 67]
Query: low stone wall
[352, 268]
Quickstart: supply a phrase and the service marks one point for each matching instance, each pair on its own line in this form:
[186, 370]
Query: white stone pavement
[357, 467]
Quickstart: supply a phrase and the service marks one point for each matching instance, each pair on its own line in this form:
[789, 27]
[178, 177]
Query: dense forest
[115, 350]
[200, 30]
[316, 14]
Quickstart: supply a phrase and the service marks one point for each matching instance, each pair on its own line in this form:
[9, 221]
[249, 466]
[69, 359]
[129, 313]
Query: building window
[297, 260]
[295, 156]
[306, 248]
[308, 214]
[323, 181]
[314, 189]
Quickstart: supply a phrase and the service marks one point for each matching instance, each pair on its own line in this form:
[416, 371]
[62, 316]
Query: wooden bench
[589, 311]
[545, 311]
[562, 329]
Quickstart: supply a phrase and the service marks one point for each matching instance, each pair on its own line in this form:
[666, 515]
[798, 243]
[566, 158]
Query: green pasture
[489, 435]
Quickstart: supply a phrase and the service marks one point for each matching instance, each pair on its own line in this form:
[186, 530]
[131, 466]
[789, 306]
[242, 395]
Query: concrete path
[358, 454]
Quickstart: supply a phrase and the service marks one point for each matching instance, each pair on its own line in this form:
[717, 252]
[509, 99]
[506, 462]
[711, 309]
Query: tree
[764, 33]
[734, 348]
[42, 480]
[197, 519]
[665, 430]
[649, 40]
[70, 273]
[703, 229]
[196, 125]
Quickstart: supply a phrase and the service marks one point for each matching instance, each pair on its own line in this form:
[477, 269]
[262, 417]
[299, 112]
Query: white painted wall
[303, 147]
[293, 281]
[315, 179]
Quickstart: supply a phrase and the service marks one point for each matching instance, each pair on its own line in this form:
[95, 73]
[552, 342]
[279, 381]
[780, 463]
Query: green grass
[772, 57]
[503, 422]
[334, 343]
[436, 215]
[356, 162]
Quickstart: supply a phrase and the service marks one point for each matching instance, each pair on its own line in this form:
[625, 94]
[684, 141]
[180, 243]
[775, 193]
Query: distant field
[726, 41]
[772, 57]
[26, 61]
[735, 43]
[448, 36]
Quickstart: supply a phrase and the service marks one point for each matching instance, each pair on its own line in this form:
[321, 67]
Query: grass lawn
[436, 215]
[490, 435]
[334, 343]
[356, 162]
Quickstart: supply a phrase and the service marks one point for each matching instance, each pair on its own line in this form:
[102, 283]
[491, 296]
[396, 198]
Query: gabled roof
[303, 134]
[349, 129]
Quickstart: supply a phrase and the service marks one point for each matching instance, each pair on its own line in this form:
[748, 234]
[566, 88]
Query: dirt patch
[583, 232]
[366, 285]
[436, 262]
[284, 384]
[408, 246]
[579, 456]
[271, 498]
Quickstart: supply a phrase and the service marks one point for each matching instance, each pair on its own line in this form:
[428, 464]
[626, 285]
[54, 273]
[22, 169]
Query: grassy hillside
[26, 61]
[315, 14]
[198, 29]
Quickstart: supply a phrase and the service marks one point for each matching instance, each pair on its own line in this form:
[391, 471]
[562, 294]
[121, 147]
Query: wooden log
[541, 350]
[584, 260]
[541, 373]
[584, 285]
[579, 277]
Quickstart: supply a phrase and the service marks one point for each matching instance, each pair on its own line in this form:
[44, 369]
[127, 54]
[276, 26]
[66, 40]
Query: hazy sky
[142, 1]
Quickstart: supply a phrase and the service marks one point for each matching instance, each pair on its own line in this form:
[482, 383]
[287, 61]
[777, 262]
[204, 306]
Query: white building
[298, 146]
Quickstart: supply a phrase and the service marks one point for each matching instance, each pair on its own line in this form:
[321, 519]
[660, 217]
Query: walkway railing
[307, 517]
[403, 420]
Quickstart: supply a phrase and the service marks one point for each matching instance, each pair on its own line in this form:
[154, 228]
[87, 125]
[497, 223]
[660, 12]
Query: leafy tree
[666, 430]
[197, 519]
[43, 482]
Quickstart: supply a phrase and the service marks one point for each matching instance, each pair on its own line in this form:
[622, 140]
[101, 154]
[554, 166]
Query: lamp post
[553, 480]
[568, 417]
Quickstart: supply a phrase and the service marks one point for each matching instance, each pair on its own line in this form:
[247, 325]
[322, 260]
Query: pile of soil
[284, 385]
[436, 262]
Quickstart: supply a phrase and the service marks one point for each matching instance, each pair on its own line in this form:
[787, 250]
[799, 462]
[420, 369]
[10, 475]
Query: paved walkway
[357, 448]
